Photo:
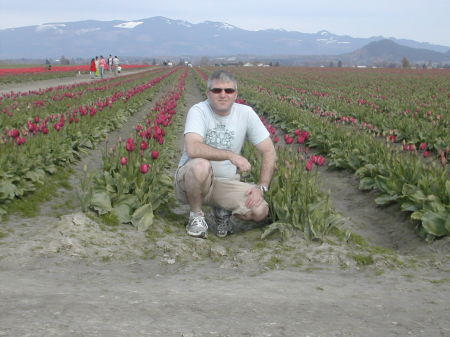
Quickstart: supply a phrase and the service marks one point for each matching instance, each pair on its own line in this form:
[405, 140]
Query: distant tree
[64, 60]
[204, 61]
[277, 64]
[154, 62]
[405, 63]
[331, 64]
[339, 64]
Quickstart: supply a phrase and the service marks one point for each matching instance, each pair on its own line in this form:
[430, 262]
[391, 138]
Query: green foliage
[295, 200]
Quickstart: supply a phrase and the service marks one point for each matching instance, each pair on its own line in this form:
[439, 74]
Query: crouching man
[208, 172]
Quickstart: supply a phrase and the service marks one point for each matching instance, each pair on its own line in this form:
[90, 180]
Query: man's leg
[197, 182]
[257, 214]
[232, 195]
[193, 182]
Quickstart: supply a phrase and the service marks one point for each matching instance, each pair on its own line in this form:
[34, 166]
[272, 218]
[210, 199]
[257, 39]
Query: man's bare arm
[269, 158]
[197, 149]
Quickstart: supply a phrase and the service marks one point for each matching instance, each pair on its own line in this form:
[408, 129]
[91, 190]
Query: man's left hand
[254, 197]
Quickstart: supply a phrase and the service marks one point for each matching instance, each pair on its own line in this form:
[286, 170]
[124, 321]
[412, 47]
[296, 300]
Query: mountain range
[164, 37]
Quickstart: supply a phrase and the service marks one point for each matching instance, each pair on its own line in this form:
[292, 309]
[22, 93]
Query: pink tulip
[309, 165]
[423, 146]
[123, 161]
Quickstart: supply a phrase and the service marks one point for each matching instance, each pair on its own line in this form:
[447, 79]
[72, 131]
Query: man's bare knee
[260, 213]
[256, 214]
[200, 170]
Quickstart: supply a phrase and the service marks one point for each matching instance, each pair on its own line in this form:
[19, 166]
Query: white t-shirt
[224, 132]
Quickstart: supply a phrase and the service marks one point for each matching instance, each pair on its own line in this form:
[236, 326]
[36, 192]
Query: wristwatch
[263, 188]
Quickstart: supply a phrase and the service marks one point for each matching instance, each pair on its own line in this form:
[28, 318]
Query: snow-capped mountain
[160, 36]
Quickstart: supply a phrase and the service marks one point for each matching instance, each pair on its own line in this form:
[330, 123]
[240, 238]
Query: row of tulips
[26, 74]
[33, 70]
[18, 109]
[382, 112]
[39, 92]
[295, 199]
[423, 189]
[33, 122]
[59, 139]
[134, 180]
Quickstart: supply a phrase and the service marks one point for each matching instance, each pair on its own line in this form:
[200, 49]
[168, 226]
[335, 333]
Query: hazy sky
[424, 20]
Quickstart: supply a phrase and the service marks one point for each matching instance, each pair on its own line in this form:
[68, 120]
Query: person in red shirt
[92, 68]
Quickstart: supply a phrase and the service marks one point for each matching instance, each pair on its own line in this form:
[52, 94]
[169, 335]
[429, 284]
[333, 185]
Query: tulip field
[390, 128]
[24, 74]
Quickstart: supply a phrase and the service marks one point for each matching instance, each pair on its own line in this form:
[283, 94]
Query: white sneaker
[197, 227]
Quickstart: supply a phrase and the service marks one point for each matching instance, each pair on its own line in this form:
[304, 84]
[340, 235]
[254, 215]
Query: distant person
[110, 63]
[103, 66]
[97, 67]
[116, 65]
[208, 171]
[92, 68]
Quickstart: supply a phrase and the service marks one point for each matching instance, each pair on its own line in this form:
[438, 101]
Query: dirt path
[62, 274]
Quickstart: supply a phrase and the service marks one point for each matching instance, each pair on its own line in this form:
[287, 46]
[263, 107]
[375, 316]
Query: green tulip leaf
[435, 223]
[143, 217]
[386, 199]
[101, 202]
[122, 212]
[7, 190]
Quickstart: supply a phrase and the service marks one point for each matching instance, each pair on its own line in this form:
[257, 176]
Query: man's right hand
[241, 163]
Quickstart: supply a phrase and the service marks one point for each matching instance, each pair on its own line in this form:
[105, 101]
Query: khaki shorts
[230, 194]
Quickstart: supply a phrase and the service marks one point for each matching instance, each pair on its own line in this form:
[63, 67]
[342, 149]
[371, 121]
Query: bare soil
[64, 274]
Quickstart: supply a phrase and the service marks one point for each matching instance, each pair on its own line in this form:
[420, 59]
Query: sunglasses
[219, 90]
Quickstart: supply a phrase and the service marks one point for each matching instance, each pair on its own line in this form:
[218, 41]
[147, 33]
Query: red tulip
[155, 154]
[423, 146]
[309, 165]
[426, 154]
[276, 139]
[319, 160]
[144, 145]
[20, 140]
[130, 146]
[14, 133]
[123, 161]
[144, 168]
[301, 139]
[288, 139]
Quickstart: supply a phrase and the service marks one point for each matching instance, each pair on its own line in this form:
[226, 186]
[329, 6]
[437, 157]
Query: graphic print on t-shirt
[220, 137]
